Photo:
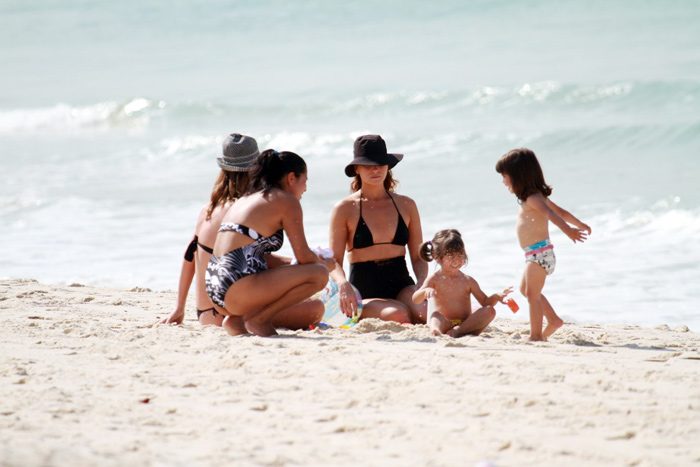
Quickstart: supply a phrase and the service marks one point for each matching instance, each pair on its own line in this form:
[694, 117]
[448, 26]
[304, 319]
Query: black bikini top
[189, 254]
[363, 236]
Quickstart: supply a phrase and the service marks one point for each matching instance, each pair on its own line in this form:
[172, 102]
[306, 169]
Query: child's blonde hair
[445, 242]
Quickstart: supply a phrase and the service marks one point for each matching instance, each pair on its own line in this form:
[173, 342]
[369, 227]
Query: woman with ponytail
[238, 280]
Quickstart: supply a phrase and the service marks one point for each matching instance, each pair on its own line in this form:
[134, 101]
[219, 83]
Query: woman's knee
[318, 275]
[399, 315]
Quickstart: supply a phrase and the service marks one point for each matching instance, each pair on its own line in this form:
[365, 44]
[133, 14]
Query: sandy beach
[88, 379]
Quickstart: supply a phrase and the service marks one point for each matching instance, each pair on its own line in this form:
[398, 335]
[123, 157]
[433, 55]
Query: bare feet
[551, 328]
[262, 329]
[539, 338]
[234, 325]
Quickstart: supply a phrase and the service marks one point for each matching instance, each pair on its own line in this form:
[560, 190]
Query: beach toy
[512, 305]
[333, 315]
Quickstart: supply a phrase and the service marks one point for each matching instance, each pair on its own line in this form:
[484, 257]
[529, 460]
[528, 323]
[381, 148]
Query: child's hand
[577, 235]
[502, 296]
[429, 292]
[586, 228]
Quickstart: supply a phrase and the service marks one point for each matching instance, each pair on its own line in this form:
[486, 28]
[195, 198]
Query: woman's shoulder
[404, 201]
[347, 203]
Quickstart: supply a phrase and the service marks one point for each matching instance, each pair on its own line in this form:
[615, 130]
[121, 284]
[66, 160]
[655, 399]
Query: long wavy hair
[445, 242]
[525, 173]
[390, 183]
[229, 186]
[270, 167]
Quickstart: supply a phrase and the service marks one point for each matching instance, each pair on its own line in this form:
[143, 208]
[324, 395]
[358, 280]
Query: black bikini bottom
[380, 279]
[199, 312]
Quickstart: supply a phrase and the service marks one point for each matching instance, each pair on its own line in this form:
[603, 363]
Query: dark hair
[270, 167]
[389, 182]
[525, 173]
[228, 187]
[445, 242]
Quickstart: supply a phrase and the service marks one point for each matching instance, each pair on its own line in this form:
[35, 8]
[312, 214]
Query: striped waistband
[538, 247]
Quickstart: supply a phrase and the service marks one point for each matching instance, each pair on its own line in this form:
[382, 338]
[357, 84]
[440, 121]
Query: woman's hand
[348, 299]
[176, 317]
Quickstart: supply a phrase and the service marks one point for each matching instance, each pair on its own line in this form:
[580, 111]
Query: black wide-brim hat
[371, 150]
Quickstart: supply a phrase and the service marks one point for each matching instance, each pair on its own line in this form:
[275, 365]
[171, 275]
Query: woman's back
[262, 213]
[206, 231]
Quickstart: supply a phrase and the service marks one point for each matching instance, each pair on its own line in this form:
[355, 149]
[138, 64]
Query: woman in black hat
[238, 152]
[375, 225]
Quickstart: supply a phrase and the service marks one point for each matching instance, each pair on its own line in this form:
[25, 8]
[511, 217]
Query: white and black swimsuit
[223, 271]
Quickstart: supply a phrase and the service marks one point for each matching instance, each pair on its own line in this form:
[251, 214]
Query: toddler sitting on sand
[452, 289]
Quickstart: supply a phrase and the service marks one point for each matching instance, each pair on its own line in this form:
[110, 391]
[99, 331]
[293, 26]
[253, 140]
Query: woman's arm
[415, 238]
[187, 272]
[186, 275]
[293, 225]
[338, 238]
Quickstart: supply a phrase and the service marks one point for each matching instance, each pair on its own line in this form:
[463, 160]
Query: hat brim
[392, 160]
[232, 168]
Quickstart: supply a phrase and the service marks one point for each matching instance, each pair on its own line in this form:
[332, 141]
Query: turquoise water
[111, 116]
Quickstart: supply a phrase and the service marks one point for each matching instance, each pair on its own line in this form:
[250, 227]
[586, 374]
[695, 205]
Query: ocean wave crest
[135, 112]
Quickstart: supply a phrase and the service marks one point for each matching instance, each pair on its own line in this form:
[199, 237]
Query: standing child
[523, 176]
[452, 289]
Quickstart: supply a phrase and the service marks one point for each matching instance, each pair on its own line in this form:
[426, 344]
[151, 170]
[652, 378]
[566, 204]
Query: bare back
[266, 214]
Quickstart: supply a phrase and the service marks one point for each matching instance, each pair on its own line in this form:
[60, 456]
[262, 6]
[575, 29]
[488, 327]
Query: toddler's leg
[475, 323]
[439, 325]
[554, 322]
[531, 286]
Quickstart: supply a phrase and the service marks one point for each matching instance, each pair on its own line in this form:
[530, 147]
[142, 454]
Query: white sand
[86, 379]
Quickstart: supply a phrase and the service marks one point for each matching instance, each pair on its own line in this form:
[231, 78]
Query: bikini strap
[206, 248]
[189, 253]
[392, 200]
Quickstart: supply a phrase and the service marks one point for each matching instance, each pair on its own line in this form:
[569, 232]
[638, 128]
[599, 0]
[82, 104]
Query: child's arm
[542, 205]
[567, 216]
[425, 292]
[481, 297]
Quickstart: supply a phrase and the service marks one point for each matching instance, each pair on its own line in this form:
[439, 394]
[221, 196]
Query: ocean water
[112, 115]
